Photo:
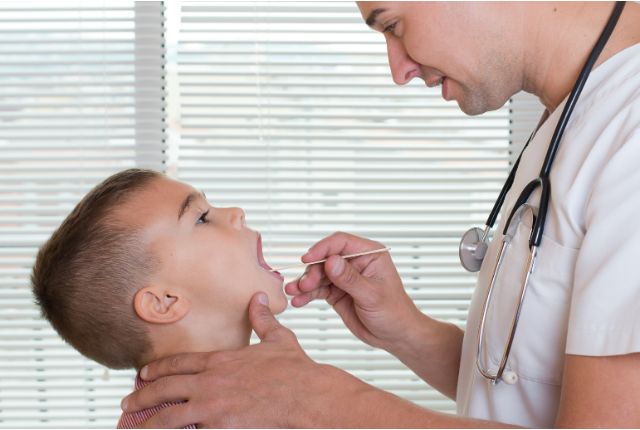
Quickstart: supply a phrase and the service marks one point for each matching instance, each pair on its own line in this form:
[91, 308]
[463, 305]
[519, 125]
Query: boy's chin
[277, 305]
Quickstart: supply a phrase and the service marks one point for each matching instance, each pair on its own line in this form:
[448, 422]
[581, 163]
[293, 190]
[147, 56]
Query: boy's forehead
[167, 186]
[162, 191]
[161, 199]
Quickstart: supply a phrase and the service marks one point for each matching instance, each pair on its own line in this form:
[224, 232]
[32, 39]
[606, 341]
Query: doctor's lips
[263, 263]
[434, 82]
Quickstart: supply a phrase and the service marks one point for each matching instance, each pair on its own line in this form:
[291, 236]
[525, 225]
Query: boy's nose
[236, 217]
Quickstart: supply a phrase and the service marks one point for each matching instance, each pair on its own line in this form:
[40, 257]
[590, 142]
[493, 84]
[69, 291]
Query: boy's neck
[197, 336]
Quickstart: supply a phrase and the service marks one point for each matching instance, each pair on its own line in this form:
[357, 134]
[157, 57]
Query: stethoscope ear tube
[577, 89]
[522, 199]
[538, 226]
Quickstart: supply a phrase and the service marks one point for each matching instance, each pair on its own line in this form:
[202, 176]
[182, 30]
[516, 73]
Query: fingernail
[123, 404]
[143, 372]
[263, 299]
[338, 267]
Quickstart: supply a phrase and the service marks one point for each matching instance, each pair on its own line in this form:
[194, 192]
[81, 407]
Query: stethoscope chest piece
[473, 247]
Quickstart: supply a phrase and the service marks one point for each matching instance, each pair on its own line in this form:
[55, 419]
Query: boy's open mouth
[262, 262]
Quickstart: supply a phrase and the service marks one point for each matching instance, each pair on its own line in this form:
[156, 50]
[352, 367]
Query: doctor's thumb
[343, 275]
[262, 320]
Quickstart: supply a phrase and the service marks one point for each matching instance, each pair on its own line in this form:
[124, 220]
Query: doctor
[557, 342]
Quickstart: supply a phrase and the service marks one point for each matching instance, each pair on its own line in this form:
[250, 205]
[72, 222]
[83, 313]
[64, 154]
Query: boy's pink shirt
[136, 419]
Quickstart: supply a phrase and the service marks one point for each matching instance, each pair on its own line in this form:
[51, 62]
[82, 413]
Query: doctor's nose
[236, 217]
[403, 67]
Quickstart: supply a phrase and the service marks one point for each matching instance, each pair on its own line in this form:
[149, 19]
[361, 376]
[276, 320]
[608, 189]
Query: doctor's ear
[155, 305]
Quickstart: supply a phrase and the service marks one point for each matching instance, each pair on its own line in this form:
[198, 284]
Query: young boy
[144, 268]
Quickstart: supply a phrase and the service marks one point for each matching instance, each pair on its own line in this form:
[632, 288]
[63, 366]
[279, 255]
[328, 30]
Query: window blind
[81, 96]
[288, 110]
[284, 109]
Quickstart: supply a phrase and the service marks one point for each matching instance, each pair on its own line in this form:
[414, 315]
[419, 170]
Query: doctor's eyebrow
[188, 201]
[371, 19]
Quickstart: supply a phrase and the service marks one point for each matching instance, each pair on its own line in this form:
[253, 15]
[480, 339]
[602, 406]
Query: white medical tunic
[584, 295]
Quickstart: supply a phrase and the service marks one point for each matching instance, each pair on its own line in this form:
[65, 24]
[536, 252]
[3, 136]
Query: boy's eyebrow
[371, 19]
[186, 204]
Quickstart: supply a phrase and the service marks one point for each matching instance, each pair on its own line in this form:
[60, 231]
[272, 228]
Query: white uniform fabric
[584, 295]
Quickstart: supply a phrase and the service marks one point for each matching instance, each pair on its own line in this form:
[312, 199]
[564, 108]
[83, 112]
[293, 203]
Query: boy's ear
[155, 305]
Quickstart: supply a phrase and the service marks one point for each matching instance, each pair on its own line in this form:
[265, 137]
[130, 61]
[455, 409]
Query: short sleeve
[604, 317]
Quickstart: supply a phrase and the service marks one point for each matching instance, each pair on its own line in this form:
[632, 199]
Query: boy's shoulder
[137, 419]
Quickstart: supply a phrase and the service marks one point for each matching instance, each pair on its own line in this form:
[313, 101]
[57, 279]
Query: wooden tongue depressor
[373, 251]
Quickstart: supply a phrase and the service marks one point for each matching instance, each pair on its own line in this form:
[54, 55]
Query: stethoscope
[474, 243]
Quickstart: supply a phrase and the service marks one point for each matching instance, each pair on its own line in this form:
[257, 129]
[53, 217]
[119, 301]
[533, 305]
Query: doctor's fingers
[184, 364]
[339, 243]
[313, 277]
[176, 416]
[330, 293]
[176, 388]
[302, 296]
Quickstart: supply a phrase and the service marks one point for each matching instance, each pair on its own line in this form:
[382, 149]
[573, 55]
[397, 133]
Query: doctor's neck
[559, 37]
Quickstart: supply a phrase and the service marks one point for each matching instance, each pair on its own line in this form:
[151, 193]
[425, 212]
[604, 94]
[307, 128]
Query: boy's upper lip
[261, 259]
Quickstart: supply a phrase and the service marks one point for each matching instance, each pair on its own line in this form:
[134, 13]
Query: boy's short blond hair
[86, 275]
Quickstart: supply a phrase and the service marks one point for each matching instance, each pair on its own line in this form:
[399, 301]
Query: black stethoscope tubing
[542, 180]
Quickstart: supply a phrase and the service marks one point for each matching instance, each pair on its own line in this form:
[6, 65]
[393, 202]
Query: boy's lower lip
[277, 275]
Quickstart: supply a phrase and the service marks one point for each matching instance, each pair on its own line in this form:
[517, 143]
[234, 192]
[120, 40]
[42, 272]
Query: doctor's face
[461, 46]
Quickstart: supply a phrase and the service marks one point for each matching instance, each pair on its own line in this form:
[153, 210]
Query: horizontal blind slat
[82, 96]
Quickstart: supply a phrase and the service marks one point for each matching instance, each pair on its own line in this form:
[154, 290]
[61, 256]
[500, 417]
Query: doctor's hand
[365, 291]
[270, 384]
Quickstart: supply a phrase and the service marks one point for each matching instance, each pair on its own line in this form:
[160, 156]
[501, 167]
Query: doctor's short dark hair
[86, 275]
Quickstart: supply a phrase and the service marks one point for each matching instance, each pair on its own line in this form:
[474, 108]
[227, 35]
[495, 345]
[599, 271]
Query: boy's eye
[203, 218]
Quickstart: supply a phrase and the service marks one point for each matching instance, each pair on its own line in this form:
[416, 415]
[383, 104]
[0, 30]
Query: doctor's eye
[389, 28]
[203, 218]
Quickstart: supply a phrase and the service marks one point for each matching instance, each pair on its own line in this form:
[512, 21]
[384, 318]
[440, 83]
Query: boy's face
[206, 253]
